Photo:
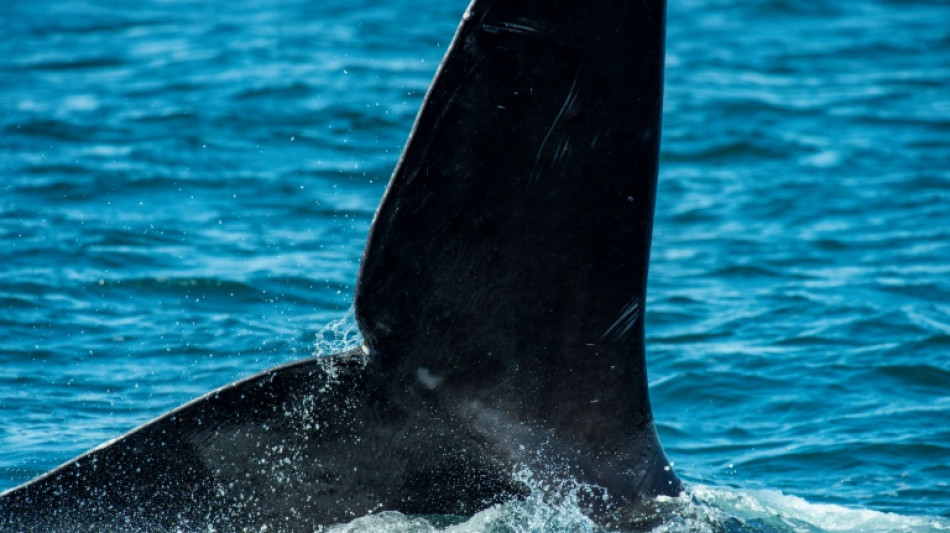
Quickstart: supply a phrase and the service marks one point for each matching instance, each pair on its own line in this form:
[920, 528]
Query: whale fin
[500, 296]
[519, 218]
[508, 260]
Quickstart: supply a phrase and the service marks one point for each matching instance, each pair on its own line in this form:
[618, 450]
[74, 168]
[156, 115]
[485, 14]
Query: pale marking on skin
[624, 324]
[523, 26]
[563, 149]
[510, 26]
[428, 380]
[520, 27]
[568, 102]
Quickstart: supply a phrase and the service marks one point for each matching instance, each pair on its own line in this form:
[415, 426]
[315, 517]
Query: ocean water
[186, 186]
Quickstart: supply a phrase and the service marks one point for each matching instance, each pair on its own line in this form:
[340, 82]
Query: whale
[500, 298]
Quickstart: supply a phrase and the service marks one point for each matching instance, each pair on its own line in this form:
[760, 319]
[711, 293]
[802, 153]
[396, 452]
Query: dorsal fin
[513, 241]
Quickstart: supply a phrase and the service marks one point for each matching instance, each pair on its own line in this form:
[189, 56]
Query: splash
[338, 336]
[757, 509]
[701, 509]
[533, 515]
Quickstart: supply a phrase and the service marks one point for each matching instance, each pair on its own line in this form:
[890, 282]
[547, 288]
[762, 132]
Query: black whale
[501, 298]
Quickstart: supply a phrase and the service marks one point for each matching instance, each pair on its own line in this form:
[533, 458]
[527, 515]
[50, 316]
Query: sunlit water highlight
[187, 187]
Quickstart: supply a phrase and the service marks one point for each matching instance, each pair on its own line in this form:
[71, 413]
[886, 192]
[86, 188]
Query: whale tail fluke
[501, 299]
[507, 263]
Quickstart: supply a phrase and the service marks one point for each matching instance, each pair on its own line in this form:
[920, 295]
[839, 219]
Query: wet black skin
[501, 299]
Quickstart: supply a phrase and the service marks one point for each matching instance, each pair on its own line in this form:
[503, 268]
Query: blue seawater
[186, 186]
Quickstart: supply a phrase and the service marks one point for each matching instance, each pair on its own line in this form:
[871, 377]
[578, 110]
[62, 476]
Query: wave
[702, 509]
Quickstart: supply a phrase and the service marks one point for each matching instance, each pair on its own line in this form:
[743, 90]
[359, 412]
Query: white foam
[797, 514]
[702, 509]
[338, 336]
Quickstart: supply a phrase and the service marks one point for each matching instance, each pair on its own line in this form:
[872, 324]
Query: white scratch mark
[568, 102]
[510, 26]
[624, 324]
[562, 150]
